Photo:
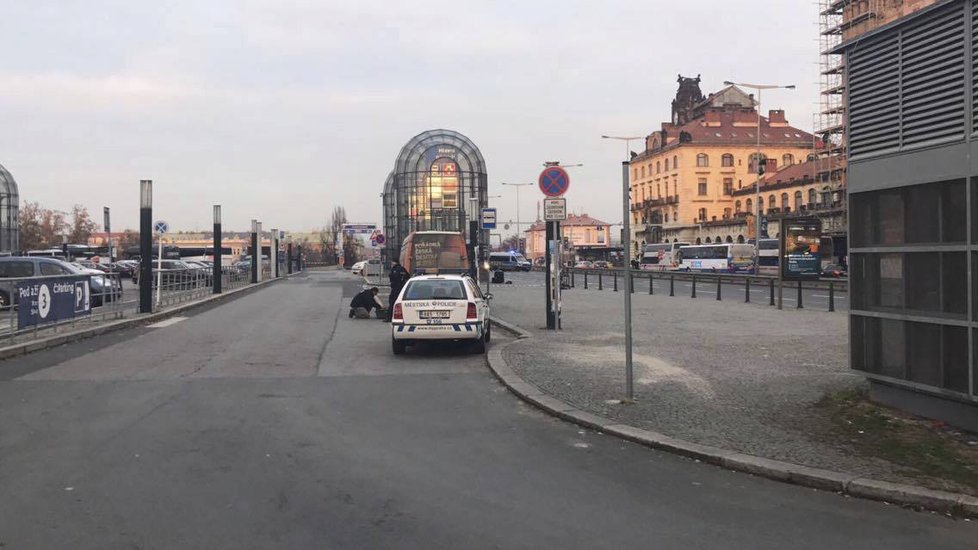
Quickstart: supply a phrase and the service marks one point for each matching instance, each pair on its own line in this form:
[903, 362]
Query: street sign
[380, 238]
[52, 299]
[488, 218]
[554, 210]
[554, 181]
[161, 227]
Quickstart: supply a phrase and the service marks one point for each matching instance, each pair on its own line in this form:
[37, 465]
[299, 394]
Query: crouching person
[365, 301]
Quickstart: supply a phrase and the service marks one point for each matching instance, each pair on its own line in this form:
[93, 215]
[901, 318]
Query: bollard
[672, 285]
[719, 288]
[572, 279]
[616, 281]
[585, 280]
[631, 280]
[747, 291]
[600, 281]
[694, 287]
[831, 296]
[772, 292]
[799, 296]
[650, 284]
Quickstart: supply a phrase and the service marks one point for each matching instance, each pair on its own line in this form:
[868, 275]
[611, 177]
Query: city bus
[661, 257]
[717, 258]
[767, 257]
[431, 252]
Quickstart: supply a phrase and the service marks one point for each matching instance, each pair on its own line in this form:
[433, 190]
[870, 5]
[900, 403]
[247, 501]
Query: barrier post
[719, 288]
[600, 282]
[831, 296]
[616, 281]
[651, 291]
[800, 305]
[585, 280]
[694, 287]
[772, 292]
[672, 285]
[747, 291]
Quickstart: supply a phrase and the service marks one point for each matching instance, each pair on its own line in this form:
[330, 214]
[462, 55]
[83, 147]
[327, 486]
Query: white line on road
[167, 322]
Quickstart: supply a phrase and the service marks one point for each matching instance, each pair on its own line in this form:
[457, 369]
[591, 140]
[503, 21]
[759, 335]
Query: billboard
[801, 248]
[359, 241]
[52, 299]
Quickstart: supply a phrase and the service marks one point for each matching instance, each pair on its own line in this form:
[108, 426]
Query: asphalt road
[274, 421]
[705, 289]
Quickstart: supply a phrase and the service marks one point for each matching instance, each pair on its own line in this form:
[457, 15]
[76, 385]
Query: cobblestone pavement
[733, 375]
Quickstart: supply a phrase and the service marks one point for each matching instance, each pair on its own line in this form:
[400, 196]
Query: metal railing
[598, 279]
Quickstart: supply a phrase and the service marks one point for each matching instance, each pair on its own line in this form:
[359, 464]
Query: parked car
[601, 264]
[440, 308]
[584, 264]
[18, 267]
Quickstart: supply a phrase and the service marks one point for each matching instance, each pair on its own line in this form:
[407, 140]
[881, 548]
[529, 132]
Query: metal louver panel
[974, 66]
[874, 96]
[908, 88]
[933, 86]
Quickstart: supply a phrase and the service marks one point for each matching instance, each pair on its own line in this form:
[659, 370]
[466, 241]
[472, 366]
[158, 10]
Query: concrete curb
[24, 348]
[909, 496]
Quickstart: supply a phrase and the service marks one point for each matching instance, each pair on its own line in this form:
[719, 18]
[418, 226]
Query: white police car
[440, 307]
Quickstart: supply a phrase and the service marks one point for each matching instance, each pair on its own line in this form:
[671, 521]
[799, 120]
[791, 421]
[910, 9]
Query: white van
[509, 261]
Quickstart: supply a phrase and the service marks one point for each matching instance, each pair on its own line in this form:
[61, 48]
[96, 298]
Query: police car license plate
[435, 314]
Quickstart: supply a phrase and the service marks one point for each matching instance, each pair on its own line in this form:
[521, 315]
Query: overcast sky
[280, 110]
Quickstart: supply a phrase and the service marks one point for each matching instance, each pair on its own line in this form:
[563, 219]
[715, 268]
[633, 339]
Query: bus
[661, 257]
[717, 258]
[767, 256]
[431, 252]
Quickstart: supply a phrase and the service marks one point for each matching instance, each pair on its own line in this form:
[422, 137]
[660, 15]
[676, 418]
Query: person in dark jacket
[362, 303]
[398, 277]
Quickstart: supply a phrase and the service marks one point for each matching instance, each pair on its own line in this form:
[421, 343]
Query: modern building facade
[439, 183]
[690, 169]
[588, 237]
[9, 214]
[913, 191]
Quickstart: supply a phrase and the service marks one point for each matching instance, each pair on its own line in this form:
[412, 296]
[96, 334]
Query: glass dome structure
[9, 214]
[439, 183]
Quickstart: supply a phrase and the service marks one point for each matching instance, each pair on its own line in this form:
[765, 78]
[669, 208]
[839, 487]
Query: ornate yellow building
[691, 168]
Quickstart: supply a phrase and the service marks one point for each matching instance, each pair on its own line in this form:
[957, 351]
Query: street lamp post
[518, 225]
[627, 253]
[757, 159]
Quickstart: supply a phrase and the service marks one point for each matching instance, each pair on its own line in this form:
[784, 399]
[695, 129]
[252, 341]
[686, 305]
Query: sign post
[161, 228]
[553, 183]
[108, 231]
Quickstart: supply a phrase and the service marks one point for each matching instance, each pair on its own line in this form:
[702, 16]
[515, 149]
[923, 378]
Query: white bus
[717, 258]
[767, 257]
[661, 257]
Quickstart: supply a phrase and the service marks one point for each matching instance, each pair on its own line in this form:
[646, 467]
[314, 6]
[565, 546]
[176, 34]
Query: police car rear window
[435, 290]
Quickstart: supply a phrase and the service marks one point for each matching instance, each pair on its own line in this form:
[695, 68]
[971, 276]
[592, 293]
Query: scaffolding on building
[838, 21]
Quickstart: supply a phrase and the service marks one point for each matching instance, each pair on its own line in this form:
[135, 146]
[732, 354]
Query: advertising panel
[52, 299]
[800, 243]
[359, 241]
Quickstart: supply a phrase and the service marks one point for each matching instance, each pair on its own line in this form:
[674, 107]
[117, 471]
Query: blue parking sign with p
[82, 300]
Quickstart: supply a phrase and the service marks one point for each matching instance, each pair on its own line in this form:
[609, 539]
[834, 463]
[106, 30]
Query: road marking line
[167, 322]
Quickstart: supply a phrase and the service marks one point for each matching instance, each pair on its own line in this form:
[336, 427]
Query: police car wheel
[398, 347]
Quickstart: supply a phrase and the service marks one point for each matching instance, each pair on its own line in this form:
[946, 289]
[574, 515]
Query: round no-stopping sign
[554, 181]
